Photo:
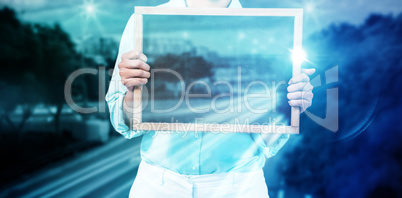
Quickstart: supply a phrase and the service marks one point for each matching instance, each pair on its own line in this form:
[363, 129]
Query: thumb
[308, 71]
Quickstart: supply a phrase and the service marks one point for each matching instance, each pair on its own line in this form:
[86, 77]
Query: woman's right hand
[134, 70]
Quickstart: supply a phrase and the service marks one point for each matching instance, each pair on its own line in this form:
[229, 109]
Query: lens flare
[90, 9]
[298, 55]
[310, 7]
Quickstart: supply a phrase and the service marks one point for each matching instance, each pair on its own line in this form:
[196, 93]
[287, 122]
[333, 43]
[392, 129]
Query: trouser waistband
[199, 181]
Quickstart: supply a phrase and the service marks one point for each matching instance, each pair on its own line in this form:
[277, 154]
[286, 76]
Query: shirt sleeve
[271, 148]
[117, 90]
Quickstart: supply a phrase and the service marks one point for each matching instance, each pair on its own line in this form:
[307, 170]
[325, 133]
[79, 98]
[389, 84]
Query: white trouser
[153, 181]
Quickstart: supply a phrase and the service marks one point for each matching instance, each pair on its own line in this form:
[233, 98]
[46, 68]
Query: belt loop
[235, 185]
[163, 177]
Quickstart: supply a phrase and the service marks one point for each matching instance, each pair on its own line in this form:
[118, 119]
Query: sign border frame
[137, 123]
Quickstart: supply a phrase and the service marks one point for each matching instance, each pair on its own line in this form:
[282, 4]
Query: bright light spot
[241, 35]
[185, 35]
[298, 55]
[310, 7]
[90, 8]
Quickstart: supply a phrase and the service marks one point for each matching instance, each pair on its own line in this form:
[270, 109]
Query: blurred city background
[49, 150]
[223, 59]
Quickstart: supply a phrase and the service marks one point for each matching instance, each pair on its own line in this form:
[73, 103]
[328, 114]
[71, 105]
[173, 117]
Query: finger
[302, 86]
[134, 54]
[301, 95]
[134, 73]
[303, 104]
[302, 77]
[135, 64]
[309, 71]
[129, 83]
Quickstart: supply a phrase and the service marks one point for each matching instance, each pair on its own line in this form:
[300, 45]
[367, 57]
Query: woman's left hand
[300, 90]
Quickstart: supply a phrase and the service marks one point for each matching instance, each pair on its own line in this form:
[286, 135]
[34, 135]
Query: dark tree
[35, 62]
[20, 57]
[189, 67]
[325, 164]
[59, 59]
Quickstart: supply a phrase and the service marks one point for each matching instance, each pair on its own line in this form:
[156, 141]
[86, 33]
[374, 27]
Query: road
[105, 171]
